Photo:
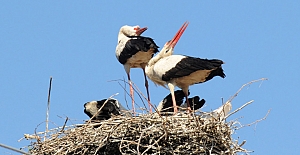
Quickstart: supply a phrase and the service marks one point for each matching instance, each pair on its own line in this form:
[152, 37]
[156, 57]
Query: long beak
[141, 30]
[177, 36]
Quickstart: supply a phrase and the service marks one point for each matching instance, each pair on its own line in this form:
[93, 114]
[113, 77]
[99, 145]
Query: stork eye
[136, 28]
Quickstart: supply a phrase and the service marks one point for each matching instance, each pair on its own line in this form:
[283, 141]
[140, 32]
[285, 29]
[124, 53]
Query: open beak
[141, 30]
[177, 36]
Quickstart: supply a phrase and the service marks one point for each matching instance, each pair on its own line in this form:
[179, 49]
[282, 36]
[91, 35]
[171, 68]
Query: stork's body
[134, 51]
[110, 107]
[181, 71]
[184, 71]
[166, 105]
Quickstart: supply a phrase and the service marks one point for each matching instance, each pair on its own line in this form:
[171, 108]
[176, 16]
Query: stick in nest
[48, 106]
[236, 94]
[138, 91]
[134, 89]
[255, 122]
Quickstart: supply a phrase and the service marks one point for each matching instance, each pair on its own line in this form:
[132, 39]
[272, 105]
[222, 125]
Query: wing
[196, 103]
[136, 44]
[110, 107]
[167, 104]
[189, 65]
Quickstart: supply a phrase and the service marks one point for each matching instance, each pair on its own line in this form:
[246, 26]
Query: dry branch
[255, 122]
[48, 105]
[249, 83]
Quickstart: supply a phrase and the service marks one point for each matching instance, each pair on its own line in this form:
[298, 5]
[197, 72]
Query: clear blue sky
[74, 41]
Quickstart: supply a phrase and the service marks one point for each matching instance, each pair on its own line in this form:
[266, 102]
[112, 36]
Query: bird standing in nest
[180, 70]
[134, 51]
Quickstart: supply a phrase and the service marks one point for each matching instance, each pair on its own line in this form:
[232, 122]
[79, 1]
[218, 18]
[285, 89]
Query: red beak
[176, 38]
[141, 30]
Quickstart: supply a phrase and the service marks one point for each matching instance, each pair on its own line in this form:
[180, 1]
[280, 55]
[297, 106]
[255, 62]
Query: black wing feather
[196, 103]
[168, 103]
[109, 109]
[136, 44]
[189, 65]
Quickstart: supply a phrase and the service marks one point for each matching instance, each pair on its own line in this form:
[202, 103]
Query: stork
[166, 105]
[195, 103]
[111, 108]
[134, 51]
[180, 70]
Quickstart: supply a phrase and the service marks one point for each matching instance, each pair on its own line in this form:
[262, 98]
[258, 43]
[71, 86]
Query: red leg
[188, 104]
[131, 94]
[186, 93]
[147, 89]
[171, 87]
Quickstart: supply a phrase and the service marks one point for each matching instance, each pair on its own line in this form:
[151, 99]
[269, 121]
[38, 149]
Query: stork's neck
[166, 51]
[154, 59]
[121, 35]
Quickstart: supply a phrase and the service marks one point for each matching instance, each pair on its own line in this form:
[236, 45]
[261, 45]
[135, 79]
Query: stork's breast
[196, 77]
[140, 59]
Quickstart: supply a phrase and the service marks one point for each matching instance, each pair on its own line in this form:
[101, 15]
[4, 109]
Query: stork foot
[189, 110]
[175, 110]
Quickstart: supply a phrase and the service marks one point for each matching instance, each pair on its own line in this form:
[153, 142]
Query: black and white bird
[111, 108]
[134, 51]
[180, 70]
[195, 103]
[165, 107]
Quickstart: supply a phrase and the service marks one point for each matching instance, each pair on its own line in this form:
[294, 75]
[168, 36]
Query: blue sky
[74, 42]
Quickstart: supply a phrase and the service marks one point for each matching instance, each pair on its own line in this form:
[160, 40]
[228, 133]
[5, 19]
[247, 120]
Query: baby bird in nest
[111, 108]
[166, 105]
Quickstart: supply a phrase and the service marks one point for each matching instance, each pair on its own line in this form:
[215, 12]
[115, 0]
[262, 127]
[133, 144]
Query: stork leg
[131, 94]
[188, 104]
[147, 89]
[171, 87]
[186, 93]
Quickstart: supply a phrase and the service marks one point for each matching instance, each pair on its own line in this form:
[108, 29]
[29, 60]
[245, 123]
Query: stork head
[132, 30]
[90, 108]
[167, 50]
[169, 46]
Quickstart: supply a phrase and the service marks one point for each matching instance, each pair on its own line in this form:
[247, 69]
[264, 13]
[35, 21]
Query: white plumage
[219, 113]
[179, 70]
[134, 51]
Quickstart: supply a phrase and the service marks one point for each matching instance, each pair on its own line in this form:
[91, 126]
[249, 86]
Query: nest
[194, 133]
[145, 134]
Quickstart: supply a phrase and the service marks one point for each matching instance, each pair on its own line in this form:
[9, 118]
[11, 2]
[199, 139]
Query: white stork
[111, 108]
[195, 103]
[181, 71]
[134, 51]
[166, 105]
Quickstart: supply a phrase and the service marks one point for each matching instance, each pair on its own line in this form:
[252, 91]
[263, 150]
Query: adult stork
[180, 70]
[134, 51]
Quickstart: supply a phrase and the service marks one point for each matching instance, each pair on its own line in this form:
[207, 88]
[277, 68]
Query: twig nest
[145, 134]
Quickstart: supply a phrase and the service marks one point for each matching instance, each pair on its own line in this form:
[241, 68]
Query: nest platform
[145, 134]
